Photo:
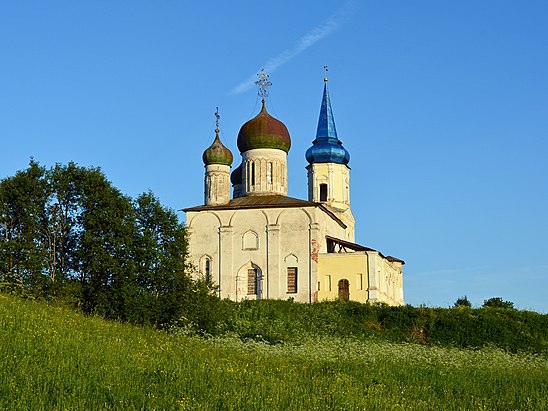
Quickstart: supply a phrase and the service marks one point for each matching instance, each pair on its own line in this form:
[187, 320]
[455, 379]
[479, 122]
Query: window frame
[292, 280]
[324, 191]
[252, 286]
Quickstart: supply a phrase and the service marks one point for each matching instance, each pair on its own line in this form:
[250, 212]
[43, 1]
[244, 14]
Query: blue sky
[443, 107]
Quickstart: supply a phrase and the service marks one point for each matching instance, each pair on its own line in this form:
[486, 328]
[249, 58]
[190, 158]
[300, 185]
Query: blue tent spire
[326, 131]
[327, 148]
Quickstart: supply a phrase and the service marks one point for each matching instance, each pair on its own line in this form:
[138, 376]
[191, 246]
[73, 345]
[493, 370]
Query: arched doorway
[344, 290]
[249, 282]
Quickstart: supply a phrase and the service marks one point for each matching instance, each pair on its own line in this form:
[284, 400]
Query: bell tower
[328, 170]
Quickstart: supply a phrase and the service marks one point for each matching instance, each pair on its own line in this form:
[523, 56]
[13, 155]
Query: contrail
[306, 41]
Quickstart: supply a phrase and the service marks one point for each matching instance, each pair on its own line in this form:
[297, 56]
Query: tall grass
[55, 359]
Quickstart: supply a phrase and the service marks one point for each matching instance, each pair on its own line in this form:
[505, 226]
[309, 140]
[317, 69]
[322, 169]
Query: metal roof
[358, 247]
[268, 201]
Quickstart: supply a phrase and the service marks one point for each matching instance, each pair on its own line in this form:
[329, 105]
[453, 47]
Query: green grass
[54, 359]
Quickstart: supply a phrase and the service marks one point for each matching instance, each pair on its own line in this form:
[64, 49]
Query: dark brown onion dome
[236, 176]
[264, 131]
[217, 153]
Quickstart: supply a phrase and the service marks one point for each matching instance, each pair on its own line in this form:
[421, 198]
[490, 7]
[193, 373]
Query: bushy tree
[463, 302]
[497, 302]
[160, 250]
[23, 199]
[104, 249]
[64, 209]
[68, 232]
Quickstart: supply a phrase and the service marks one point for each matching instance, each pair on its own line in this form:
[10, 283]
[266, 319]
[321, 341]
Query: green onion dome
[264, 131]
[217, 153]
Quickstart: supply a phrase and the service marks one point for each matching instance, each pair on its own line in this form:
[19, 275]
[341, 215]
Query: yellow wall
[372, 278]
[334, 267]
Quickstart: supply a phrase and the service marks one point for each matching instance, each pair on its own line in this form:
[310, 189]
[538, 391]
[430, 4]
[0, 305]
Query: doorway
[344, 290]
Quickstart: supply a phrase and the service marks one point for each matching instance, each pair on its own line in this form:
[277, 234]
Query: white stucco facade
[217, 184]
[270, 240]
[264, 171]
[263, 244]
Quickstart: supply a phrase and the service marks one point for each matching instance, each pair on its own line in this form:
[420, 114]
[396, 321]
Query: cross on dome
[263, 83]
[217, 117]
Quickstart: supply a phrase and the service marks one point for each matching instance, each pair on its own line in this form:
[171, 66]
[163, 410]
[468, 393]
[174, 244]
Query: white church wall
[294, 253]
[270, 241]
[200, 227]
[328, 227]
[248, 252]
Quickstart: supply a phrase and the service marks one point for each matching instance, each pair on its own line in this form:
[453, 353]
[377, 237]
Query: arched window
[249, 282]
[207, 270]
[269, 173]
[252, 174]
[323, 192]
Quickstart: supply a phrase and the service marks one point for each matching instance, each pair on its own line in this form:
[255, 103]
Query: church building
[260, 243]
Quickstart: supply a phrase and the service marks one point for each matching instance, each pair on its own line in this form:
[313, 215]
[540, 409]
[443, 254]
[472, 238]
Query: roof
[264, 131]
[217, 153]
[358, 247]
[268, 201]
[327, 148]
[326, 123]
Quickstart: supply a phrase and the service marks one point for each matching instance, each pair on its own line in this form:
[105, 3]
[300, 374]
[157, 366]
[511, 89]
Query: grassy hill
[54, 359]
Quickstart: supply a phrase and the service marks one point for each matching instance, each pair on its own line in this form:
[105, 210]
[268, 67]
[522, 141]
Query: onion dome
[236, 176]
[264, 131]
[217, 153]
[327, 148]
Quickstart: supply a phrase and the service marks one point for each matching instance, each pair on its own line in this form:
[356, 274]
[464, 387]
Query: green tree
[104, 246]
[497, 302]
[23, 200]
[67, 232]
[462, 302]
[160, 256]
[63, 210]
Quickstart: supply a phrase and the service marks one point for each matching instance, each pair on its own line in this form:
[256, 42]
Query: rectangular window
[359, 281]
[323, 192]
[291, 280]
[251, 281]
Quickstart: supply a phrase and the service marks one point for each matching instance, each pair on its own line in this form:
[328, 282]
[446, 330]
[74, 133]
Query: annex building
[260, 243]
